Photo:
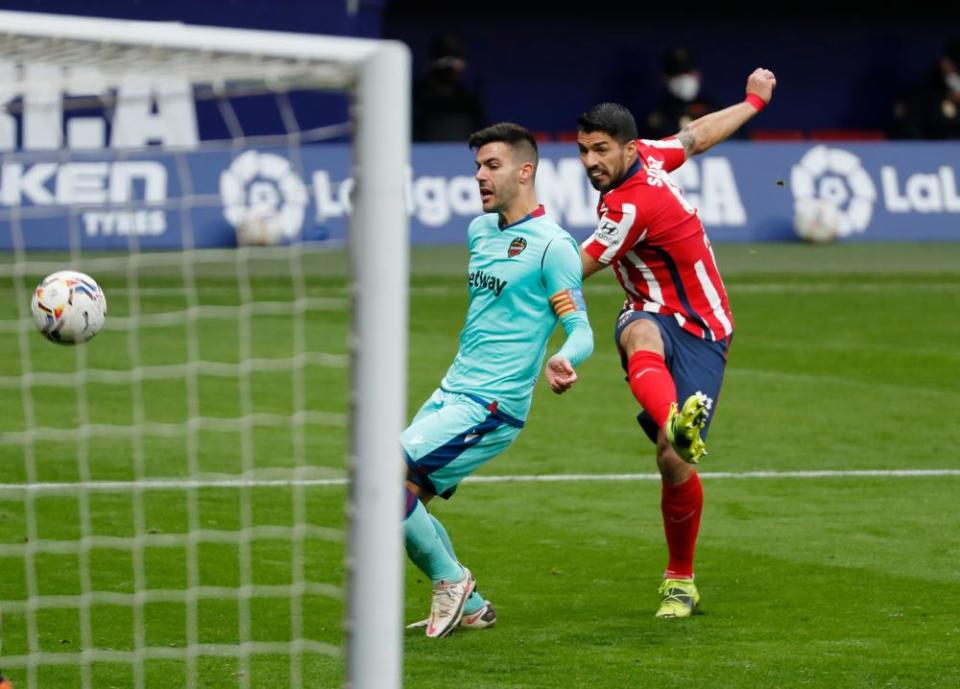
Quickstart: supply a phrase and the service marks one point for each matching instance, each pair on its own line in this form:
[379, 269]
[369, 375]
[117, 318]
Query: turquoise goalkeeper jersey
[523, 278]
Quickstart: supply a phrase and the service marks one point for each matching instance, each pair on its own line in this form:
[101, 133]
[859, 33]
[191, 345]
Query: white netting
[171, 501]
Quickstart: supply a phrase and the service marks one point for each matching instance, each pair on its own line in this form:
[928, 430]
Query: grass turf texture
[845, 358]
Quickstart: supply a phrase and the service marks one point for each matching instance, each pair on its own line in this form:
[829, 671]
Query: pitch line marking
[188, 484]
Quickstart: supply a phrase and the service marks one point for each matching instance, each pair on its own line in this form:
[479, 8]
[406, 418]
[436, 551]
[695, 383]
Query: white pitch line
[187, 484]
[882, 473]
[732, 286]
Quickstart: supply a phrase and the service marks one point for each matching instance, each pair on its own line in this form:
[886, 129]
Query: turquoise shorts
[452, 436]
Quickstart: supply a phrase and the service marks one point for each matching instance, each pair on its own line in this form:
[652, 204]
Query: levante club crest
[516, 246]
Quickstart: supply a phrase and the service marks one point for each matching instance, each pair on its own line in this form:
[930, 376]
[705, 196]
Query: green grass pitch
[846, 357]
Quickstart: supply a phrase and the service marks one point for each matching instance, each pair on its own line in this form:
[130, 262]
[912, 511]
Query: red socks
[681, 506]
[652, 385]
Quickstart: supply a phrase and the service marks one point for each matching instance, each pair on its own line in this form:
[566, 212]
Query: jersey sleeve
[617, 232]
[669, 150]
[562, 269]
[563, 278]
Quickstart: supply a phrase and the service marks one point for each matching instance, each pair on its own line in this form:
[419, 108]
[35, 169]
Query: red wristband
[756, 101]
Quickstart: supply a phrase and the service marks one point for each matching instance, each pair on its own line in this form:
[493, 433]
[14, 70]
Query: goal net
[207, 494]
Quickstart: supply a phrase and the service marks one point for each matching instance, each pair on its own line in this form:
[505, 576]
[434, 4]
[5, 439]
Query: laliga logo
[831, 182]
[263, 198]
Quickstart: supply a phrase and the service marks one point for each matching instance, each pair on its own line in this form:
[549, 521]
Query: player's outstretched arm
[706, 132]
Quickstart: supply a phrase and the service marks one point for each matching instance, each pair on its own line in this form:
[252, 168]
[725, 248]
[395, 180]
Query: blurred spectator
[445, 107]
[932, 110]
[682, 100]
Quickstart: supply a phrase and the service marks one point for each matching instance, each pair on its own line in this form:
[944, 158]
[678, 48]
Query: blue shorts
[451, 436]
[697, 365]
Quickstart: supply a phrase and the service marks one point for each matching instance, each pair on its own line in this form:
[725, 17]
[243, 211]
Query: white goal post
[376, 74]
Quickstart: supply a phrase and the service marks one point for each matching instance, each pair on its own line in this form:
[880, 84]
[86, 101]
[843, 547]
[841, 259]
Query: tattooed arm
[706, 132]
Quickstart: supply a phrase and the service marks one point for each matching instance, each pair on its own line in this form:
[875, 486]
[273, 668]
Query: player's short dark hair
[610, 118]
[518, 138]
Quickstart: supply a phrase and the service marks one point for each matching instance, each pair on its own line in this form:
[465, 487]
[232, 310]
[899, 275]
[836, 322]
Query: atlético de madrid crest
[516, 246]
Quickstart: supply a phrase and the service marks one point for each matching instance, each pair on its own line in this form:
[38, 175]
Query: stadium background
[841, 67]
[824, 561]
[839, 73]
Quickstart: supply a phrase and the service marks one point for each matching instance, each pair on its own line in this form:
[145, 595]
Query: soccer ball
[816, 220]
[68, 307]
[259, 228]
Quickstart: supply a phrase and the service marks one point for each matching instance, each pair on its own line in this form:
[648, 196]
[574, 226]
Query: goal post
[376, 76]
[380, 382]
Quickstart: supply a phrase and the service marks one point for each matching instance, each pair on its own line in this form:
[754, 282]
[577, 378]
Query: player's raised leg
[651, 382]
[698, 369]
[647, 342]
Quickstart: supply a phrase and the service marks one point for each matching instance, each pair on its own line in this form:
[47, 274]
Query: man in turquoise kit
[524, 276]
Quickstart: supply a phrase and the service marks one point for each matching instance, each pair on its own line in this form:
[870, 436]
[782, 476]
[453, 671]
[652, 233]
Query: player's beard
[603, 188]
[613, 177]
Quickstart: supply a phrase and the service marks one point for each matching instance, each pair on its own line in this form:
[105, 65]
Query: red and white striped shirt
[654, 240]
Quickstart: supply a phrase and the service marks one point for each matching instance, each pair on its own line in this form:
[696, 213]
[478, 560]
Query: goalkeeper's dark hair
[609, 118]
[518, 138]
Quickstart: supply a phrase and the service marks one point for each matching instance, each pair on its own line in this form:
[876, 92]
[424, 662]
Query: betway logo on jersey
[484, 281]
